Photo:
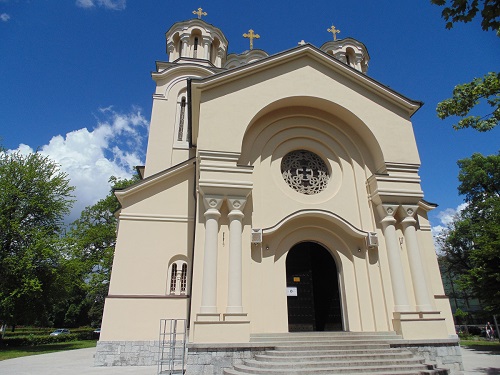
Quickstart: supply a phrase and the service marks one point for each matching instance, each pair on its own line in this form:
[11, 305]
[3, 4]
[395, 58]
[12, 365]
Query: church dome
[350, 52]
[196, 39]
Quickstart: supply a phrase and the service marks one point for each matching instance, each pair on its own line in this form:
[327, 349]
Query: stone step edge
[382, 372]
[337, 356]
[354, 369]
[335, 364]
[347, 351]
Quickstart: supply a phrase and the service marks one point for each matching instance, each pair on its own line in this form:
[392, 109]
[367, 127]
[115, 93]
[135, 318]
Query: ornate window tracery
[305, 172]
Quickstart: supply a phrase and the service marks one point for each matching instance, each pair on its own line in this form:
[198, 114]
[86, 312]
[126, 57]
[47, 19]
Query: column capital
[387, 211]
[408, 213]
[213, 202]
[236, 203]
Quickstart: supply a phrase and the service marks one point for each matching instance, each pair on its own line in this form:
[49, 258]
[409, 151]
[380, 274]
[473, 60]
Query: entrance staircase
[319, 353]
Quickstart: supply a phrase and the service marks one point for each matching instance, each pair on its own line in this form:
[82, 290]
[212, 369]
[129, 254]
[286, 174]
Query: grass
[492, 346]
[9, 353]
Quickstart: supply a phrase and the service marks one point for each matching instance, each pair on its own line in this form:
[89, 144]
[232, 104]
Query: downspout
[195, 197]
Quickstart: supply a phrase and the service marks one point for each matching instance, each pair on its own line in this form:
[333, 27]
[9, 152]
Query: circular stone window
[305, 172]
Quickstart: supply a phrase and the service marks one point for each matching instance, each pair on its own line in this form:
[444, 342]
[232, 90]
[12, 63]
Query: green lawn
[492, 346]
[8, 353]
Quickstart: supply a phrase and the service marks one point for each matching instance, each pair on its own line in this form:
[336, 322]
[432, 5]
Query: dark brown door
[310, 269]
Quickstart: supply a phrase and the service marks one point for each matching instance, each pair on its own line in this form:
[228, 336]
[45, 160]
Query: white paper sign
[291, 291]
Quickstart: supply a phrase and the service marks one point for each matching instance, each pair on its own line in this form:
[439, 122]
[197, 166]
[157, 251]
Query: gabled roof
[307, 50]
[153, 179]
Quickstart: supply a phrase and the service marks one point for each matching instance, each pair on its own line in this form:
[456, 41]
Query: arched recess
[337, 121]
[345, 243]
[177, 276]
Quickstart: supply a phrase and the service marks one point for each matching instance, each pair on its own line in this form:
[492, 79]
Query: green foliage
[90, 245]
[466, 10]
[467, 96]
[472, 241]
[16, 352]
[34, 198]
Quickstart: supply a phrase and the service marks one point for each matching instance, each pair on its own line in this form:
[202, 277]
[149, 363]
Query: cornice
[314, 53]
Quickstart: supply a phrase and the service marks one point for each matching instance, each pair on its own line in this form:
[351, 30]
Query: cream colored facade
[221, 129]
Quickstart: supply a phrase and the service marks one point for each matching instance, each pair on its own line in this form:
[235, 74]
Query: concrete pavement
[81, 362]
[480, 362]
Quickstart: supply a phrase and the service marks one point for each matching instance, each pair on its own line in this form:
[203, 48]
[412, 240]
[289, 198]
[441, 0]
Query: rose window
[305, 172]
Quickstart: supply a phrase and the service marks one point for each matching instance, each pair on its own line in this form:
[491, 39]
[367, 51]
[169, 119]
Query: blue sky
[75, 75]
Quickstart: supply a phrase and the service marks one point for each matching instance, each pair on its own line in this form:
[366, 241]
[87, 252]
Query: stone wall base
[212, 359]
[126, 353]
[444, 355]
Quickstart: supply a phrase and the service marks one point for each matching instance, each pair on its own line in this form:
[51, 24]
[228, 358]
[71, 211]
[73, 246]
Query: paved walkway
[481, 362]
[80, 362]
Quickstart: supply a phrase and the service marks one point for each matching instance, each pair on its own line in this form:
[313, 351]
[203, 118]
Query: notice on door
[291, 291]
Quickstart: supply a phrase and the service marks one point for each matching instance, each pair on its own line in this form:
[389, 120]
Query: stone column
[185, 45]
[234, 297]
[206, 48]
[416, 266]
[387, 212]
[209, 286]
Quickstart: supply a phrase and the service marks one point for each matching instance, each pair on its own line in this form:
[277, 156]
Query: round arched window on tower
[305, 172]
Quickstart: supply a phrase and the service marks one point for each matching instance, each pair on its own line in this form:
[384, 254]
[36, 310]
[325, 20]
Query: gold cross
[251, 36]
[200, 13]
[334, 31]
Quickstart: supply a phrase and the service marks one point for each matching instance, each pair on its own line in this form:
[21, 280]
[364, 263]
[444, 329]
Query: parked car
[97, 333]
[60, 331]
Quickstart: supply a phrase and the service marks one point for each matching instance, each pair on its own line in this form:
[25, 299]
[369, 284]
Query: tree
[467, 96]
[472, 241]
[466, 10]
[90, 244]
[34, 198]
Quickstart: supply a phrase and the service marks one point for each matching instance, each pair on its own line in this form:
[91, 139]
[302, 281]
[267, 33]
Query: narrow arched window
[195, 49]
[173, 279]
[180, 133]
[184, 278]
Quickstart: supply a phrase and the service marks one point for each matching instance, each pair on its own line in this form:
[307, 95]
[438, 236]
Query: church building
[280, 195]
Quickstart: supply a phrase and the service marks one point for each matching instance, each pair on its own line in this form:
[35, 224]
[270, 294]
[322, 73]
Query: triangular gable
[199, 85]
[159, 177]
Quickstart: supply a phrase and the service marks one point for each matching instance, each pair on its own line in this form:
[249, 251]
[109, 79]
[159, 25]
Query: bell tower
[196, 40]
[195, 49]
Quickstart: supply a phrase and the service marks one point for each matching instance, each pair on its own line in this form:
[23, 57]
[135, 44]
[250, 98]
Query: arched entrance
[313, 292]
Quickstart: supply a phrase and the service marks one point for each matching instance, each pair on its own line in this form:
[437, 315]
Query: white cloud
[108, 4]
[4, 17]
[90, 157]
[445, 217]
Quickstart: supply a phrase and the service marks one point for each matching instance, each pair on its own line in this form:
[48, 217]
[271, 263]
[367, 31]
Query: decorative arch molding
[174, 75]
[328, 216]
[339, 118]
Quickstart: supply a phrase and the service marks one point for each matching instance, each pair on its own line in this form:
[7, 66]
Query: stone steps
[319, 353]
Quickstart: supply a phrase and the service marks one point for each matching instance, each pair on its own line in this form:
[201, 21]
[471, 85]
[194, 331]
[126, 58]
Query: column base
[208, 317]
[420, 325]
[221, 332]
[235, 317]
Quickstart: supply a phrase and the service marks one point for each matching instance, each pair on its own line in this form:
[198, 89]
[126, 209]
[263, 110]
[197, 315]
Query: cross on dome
[200, 13]
[251, 36]
[334, 31]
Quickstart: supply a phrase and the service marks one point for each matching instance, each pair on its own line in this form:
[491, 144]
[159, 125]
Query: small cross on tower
[251, 36]
[200, 13]
[334, 31]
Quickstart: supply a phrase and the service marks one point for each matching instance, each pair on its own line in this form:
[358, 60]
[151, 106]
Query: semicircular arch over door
[314, 302]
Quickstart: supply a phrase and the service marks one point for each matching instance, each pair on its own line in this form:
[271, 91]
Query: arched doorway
[313, 292]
